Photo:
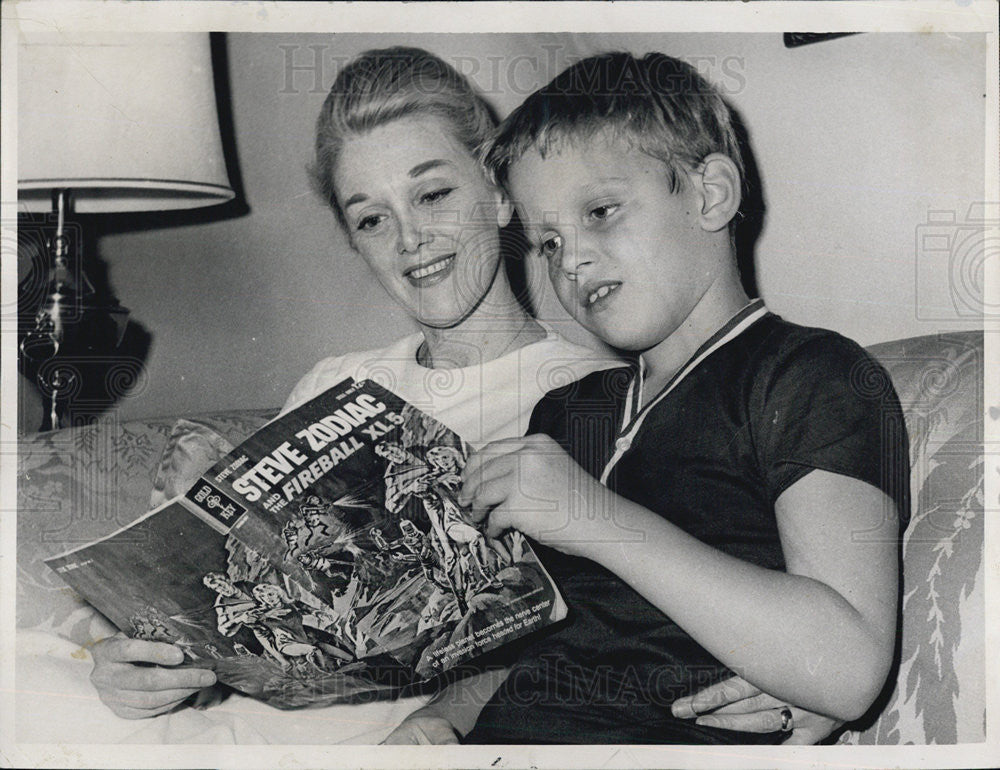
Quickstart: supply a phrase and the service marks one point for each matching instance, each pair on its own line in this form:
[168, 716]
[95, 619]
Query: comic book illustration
[332, 559]
[165, 578]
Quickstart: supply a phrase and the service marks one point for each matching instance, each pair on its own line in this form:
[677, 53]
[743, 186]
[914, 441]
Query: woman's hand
[135, 691]
[735, 704]
[422, 730]
[532, 485]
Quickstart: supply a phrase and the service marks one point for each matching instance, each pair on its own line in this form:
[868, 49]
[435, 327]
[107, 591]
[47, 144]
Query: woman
[397, 160]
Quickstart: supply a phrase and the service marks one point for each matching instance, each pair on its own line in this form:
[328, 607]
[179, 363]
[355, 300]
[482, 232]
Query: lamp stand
[68, 302]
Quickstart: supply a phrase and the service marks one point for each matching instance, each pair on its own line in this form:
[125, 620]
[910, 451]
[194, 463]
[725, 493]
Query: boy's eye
[369, 222]
[551, 244]
[435, 195]
[601, 213]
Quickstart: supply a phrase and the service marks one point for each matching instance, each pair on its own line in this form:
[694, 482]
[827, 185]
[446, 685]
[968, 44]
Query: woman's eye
[435, 195]
[551, 245]
[601, 213]
[369, 222]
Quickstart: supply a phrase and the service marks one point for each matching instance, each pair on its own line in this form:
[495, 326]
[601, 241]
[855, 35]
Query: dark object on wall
[798, 39]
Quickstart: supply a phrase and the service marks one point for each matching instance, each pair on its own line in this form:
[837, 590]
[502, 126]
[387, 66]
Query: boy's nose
[576, 256]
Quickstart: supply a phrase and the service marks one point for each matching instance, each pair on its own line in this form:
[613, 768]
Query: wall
[858, 140]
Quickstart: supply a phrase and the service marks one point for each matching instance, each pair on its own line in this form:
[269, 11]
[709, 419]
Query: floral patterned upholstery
[82, 483]
[79, 484]
[938, 695]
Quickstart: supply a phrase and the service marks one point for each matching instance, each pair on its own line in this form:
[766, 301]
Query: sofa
[81, 483]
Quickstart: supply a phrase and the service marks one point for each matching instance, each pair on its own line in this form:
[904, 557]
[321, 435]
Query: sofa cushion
[938, 694]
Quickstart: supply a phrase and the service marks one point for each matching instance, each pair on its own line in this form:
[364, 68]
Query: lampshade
[126, 121]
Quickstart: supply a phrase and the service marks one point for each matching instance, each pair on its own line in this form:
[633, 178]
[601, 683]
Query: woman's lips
[430, 273]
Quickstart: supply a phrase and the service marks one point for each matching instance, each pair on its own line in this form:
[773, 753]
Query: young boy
[746, 481]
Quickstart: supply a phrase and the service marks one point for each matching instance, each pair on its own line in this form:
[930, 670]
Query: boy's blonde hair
[661, 105]
[385, 84]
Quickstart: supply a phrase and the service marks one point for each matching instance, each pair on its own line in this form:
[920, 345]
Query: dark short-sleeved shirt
[755, 416]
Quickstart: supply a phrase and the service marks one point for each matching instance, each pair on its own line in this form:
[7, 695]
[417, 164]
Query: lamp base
[70, 323]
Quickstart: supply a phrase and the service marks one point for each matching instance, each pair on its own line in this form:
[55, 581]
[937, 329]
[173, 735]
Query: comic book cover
[332, 559]
[164, 578]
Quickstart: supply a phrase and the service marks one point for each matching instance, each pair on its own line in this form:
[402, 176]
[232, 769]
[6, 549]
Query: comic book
[325, 559]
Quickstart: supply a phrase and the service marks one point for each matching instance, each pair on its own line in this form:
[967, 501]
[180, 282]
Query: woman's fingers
[131, 703]
[767, 721]
[760, 702]
[127, 676]
[804, 729]
[813, 729]
[735, 704]
[121, 649]
[138, 679]
[146, 697]
[714, 696]
[140, 700]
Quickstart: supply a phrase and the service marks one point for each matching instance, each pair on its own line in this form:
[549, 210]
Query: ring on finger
[786, 719]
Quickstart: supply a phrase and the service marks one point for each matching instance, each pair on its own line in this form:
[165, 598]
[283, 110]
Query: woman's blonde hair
[383, 85]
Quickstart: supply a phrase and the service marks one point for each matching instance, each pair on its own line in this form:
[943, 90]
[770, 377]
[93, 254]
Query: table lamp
[109, 123]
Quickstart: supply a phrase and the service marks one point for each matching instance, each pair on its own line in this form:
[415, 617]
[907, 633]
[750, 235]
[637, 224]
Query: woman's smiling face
[421, 212]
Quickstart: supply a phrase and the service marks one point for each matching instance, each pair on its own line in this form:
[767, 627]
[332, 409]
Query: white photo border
[413, 17]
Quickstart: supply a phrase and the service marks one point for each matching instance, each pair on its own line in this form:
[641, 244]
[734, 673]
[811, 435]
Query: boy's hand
[531, 484]
[137, 691]
[735, 704]
[422, 730]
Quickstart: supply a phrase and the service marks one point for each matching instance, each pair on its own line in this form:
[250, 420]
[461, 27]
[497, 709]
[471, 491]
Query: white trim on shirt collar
[635, 413]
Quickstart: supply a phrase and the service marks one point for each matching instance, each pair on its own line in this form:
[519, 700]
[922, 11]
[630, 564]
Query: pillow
[191, 449]
[74, 486]
[65, 498]
[80, 484]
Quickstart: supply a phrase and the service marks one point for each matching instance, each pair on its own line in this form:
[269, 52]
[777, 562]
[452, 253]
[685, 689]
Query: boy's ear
[505, 209]
[719, 183]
